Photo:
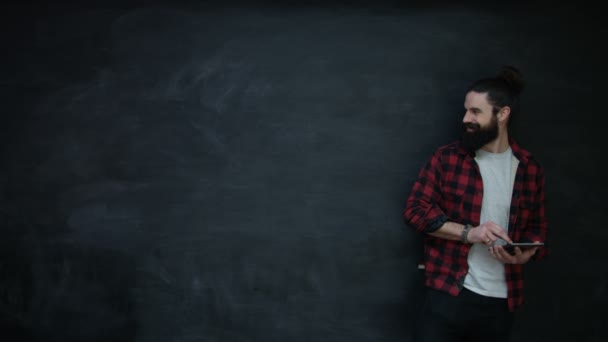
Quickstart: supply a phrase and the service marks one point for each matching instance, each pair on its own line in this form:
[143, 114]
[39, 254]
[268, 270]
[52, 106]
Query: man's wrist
[464, 237]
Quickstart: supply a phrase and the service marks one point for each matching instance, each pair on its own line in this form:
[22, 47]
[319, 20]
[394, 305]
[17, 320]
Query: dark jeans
[466, 317]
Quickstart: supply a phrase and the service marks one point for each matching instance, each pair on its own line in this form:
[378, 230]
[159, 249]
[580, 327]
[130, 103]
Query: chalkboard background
[236, 172]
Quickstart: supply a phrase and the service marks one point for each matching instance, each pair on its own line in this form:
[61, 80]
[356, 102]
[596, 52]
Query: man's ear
[504, 113]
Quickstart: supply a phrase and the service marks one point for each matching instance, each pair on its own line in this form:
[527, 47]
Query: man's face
[480, 125]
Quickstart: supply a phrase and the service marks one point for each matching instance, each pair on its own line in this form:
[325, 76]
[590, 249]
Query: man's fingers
[530, 251]
[499, 232]
[502, 255]
[518, 258]
[500, 235]
[524, 256]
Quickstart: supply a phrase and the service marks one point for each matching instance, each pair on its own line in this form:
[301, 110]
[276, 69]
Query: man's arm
[486, 233]
[449, 231]
[424, 214]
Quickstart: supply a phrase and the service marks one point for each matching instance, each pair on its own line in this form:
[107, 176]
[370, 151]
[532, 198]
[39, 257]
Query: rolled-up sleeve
[422, 211]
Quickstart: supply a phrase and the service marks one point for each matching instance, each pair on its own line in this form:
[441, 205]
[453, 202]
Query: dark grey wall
[237, 173]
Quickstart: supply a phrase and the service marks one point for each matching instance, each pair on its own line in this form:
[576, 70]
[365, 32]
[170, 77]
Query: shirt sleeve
[422, 211]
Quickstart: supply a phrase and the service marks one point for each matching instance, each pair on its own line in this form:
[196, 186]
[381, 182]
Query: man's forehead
[475, 99]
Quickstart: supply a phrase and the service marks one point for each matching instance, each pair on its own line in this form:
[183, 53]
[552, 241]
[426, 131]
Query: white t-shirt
[486, 275]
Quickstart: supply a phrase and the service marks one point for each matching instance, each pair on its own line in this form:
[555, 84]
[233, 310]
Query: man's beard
[476, 139]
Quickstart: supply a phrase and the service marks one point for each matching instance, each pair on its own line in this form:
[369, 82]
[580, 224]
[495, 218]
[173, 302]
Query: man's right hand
[487, 233]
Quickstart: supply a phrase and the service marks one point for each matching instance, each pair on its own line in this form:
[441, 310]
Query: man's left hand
[520, 257]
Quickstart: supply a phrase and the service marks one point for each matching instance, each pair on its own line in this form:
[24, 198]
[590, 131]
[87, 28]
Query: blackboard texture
[194, 171]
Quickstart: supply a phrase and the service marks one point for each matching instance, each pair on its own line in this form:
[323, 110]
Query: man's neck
[498, 145]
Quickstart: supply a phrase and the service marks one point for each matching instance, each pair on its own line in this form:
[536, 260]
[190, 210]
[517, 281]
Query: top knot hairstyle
[503, 90]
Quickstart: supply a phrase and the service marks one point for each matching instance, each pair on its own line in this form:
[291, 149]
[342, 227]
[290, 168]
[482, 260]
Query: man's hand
[520, 257]
[487, 233]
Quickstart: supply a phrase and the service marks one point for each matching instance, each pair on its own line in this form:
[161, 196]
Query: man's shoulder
[451, 148]
[450, 153]
[525, 156]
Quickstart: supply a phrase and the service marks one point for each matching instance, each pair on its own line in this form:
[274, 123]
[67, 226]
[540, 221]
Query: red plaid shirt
[449, 188]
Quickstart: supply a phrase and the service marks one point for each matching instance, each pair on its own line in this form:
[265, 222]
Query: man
[472, 197]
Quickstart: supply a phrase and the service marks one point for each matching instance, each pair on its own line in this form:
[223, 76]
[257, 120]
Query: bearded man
[471, 198]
